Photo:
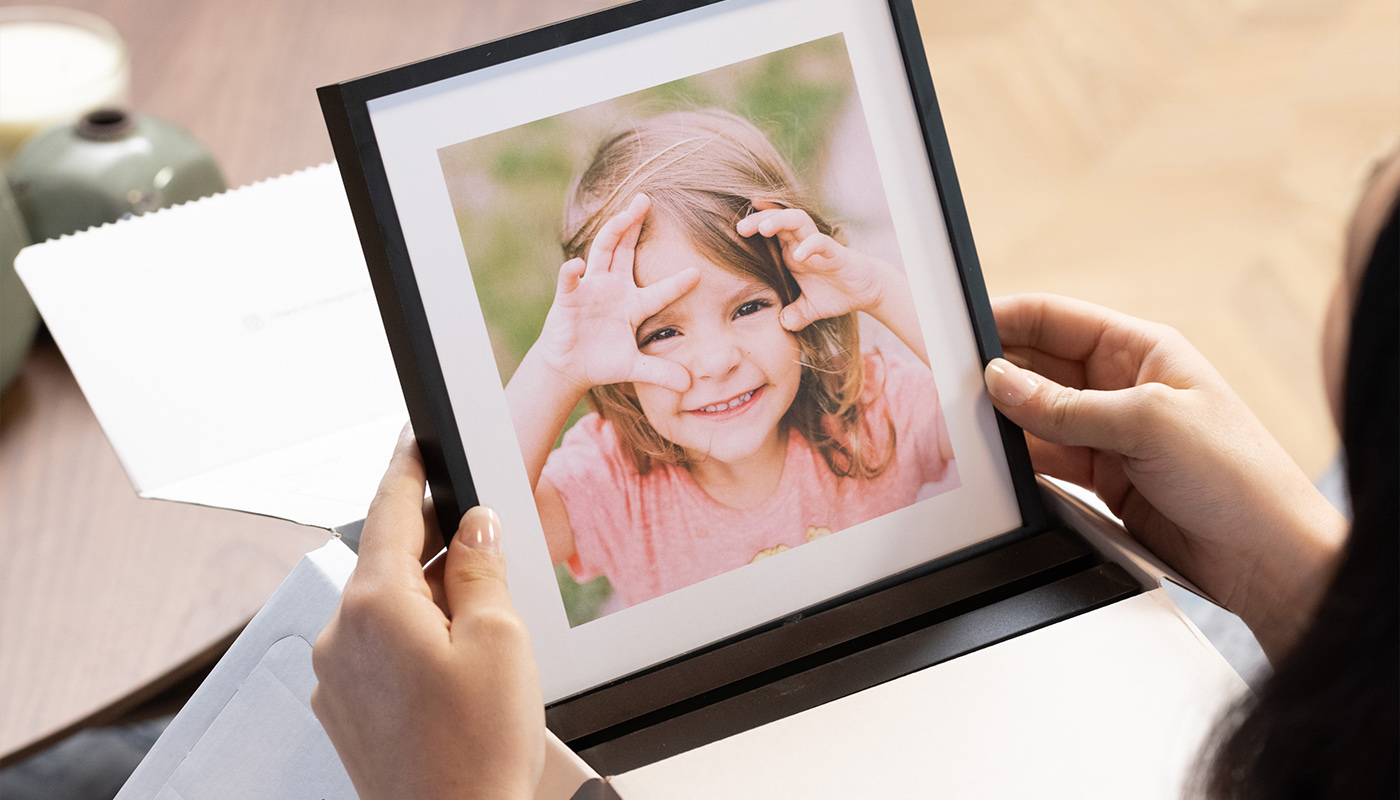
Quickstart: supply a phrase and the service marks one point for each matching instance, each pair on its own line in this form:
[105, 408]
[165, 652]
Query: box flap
[231, 348]
[248, 731]
[293, 618]
[1082, 510]
[1112, 703]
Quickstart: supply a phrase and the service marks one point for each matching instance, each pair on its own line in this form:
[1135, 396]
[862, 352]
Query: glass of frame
[686, 292]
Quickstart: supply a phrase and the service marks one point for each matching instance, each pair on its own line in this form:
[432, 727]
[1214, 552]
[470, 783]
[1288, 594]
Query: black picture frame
[987, 573]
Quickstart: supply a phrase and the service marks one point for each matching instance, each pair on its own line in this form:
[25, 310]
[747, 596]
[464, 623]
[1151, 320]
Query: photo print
[700, 314]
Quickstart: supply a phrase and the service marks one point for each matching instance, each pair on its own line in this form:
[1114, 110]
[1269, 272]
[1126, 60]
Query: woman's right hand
[1130, 409]
[589, 335]
[427, 685]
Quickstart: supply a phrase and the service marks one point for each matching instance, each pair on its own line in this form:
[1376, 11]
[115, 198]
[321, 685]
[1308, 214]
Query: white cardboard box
[279, 397]
[1113, 703]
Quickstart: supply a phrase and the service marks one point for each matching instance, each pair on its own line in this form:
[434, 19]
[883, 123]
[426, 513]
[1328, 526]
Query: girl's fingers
[660, 372]
[798, 315]
[773, 221]
[651, 299]
[570, 274]
[748, 226]
[794, 220]
[818, 244]
[625, 254]
[612, 234]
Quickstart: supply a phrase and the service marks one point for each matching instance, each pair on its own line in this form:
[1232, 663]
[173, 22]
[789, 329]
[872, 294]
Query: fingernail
[480, 529]
[1008, 383]
[406, 435]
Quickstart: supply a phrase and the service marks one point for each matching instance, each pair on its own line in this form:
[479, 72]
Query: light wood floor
[1192, 162]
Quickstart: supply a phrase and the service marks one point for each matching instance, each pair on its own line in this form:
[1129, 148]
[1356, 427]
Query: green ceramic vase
[18, 318]
[108, 165]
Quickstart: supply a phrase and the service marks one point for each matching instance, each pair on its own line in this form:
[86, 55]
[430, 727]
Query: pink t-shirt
[655, 533]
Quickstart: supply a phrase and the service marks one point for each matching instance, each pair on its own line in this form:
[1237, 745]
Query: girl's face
[744, 367]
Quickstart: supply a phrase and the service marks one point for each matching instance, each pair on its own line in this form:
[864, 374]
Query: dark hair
[1327, 723]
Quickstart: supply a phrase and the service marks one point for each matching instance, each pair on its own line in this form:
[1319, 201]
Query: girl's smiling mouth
[729, 407]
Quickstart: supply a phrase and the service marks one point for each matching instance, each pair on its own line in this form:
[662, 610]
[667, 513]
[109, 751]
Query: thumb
[660, 372]
[796, 316]
[1060, 414]
[475, 574]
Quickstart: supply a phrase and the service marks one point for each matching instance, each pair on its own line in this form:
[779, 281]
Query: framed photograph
[686, 292]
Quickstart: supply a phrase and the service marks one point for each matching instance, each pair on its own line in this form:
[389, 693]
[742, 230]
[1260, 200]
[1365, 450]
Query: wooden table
[1183, 162]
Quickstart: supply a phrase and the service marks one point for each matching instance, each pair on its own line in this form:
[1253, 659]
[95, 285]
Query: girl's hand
[835, 279]
[428, 687]
[1131, 410]
[589, 336]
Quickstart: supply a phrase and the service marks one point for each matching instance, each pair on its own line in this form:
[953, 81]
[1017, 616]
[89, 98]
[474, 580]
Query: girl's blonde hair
[704, 170]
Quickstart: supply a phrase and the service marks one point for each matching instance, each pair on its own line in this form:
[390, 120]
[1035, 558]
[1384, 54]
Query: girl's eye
[751, 307]
[659, 335]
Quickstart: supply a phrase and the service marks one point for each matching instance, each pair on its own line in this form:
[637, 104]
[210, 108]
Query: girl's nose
[716, 357]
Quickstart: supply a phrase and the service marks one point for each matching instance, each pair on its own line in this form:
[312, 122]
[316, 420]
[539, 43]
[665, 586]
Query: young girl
[709, 315]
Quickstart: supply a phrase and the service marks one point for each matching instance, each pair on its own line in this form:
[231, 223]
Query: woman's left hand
[835, 279]
[428, 687]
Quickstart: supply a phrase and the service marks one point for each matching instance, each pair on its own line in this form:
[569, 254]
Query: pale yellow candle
[56, 64]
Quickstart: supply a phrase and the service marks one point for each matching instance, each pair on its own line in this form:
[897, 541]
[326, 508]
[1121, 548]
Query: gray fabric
[89, 765]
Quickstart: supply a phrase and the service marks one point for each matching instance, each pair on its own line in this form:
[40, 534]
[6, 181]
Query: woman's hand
[428, 687]
[589, 336]
[834, 279]
[1131, 410]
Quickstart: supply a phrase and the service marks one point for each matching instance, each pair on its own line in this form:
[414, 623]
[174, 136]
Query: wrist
[874, 296]
[1291, 576]
[540, 403]
[893, 306]
[552, 371]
